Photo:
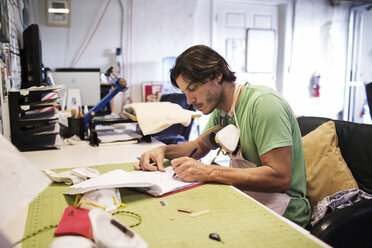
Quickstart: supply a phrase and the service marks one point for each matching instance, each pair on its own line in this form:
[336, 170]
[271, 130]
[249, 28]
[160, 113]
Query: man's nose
[190, 98]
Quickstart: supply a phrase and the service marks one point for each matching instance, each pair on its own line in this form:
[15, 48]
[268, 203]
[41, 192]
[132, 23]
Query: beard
[213, 100]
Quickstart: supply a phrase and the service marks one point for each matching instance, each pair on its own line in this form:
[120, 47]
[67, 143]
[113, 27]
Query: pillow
[326, 170]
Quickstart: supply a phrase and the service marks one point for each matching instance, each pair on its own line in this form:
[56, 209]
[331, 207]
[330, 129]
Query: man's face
[204, 97]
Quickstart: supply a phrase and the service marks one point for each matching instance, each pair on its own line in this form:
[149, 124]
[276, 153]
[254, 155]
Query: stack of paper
[153, 182]
[117, 135]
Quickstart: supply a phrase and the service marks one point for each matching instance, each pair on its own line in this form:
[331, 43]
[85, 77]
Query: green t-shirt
[266, 121]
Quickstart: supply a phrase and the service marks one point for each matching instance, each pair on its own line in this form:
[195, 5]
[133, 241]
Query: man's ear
[219, 77]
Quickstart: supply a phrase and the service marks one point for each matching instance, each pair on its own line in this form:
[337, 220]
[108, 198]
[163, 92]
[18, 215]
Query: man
[268, 164]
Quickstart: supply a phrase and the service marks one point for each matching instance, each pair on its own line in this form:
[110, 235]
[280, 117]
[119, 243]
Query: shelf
[32, 123]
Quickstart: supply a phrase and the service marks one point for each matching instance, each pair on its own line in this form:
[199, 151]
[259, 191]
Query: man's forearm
[262, 179]
[184, 149]
[179, 150]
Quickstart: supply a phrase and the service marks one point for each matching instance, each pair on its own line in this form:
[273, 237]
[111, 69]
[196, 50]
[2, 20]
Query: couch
[350, 226]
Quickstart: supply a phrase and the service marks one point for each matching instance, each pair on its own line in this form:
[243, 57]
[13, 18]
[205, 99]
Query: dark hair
[199, 63]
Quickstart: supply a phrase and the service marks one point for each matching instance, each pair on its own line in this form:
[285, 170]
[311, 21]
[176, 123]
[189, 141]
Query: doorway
[250, 35]
[359, 62]
[240, 26]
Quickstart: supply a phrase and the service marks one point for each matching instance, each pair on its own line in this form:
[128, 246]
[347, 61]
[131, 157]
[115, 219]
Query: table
[81, 154]
[236, 217]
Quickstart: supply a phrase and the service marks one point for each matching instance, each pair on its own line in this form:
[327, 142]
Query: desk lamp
[119, 85]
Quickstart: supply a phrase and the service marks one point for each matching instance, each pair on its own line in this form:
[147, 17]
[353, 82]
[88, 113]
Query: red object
[151, 92]
[315, 85]
[75, 221]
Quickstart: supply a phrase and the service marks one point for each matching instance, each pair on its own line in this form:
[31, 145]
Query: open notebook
[152, 182]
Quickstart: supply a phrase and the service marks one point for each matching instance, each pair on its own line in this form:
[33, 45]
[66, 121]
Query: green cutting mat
[239, 221]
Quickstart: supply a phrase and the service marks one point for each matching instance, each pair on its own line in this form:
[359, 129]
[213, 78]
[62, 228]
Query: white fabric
[108, 198]
[85, 172]
[67, 177]
[154, 117]
[74, 176]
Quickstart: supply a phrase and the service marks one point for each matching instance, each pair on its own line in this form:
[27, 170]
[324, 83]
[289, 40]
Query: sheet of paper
[155, 182]
[20, 181]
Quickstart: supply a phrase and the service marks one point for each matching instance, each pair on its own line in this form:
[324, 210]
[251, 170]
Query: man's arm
[184, 149]
[158, 154]
[273, 176]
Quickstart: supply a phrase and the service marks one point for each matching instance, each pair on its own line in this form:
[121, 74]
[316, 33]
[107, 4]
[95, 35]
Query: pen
[190, 156]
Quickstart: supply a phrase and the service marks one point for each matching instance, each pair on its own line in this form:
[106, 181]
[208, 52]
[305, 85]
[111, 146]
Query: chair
[350, 226]
[176, 133]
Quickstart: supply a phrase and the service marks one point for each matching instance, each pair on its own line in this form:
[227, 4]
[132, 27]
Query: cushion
[326, 170]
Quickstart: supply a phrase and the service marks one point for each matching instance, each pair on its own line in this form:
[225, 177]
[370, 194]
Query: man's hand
[191, 170]
[152, 160]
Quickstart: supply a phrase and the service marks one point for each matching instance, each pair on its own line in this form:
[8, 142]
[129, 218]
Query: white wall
[155, 29]
[61, 45]
[319, 45]
[160, 28]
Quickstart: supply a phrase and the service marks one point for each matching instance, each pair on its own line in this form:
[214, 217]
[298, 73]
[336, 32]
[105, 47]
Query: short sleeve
[271, 123]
